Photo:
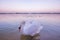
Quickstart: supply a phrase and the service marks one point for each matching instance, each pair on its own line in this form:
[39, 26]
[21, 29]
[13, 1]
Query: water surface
[9, 24]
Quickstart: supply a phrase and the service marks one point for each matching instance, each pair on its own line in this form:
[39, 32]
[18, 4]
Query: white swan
[31, 27]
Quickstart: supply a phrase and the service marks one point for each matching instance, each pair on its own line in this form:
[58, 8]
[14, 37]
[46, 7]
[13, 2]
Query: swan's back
[31, 27]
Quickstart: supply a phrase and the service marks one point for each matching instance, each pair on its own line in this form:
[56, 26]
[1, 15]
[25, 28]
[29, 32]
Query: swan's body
[31, 27]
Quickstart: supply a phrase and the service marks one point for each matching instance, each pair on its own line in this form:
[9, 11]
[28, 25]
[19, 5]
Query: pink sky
[10, 6]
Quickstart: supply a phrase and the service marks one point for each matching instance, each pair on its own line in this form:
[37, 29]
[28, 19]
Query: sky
[13, 6]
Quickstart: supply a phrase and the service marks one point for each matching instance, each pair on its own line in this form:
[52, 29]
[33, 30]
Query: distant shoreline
[29, 13]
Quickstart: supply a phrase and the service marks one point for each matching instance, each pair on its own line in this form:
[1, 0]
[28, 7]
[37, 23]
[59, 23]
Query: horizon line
[29, 13]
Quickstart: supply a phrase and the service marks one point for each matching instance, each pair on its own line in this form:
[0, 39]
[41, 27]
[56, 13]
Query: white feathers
[31, 27]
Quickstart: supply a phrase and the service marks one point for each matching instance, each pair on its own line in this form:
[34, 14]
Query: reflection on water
[9, 24]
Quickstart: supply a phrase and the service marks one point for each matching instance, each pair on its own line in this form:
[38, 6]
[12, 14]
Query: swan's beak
[19, 29]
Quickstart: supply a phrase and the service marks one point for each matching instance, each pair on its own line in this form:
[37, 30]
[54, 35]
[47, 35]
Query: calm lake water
[9, 24]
